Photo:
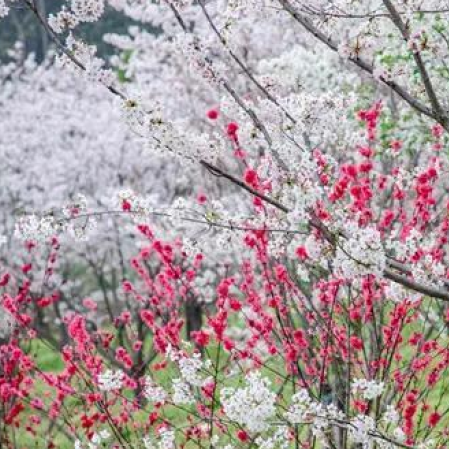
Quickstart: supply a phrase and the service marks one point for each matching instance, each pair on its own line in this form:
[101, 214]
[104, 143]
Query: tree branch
[388, 273]
[401, 26]
[361, 63]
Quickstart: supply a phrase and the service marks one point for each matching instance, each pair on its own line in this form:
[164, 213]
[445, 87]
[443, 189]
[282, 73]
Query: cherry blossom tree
[324, 126]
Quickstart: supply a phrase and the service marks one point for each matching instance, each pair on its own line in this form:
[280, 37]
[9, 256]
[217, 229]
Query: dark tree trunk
[194, 317]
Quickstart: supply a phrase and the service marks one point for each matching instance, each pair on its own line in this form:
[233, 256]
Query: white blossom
[359, 253]
[391, 415]
[369, 389]
[182, 392]
[167, 439]
[154, 393]
[190, 369]
[110, 380]
[4, 10]
[361, 429]
[87, 10]
[251, 406]
[64, 20]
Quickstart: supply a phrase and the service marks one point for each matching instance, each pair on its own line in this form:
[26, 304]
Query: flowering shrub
[277, 363]
[307, 306]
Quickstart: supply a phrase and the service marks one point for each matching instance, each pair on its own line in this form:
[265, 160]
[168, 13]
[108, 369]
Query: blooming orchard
[290, 290]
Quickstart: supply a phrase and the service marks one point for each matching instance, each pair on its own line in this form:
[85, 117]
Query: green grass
[47, 359]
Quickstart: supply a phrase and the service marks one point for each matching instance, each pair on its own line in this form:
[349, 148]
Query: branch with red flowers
[389, 273]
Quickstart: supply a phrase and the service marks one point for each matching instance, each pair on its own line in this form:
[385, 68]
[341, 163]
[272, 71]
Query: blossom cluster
[80, 11]
[252, 406]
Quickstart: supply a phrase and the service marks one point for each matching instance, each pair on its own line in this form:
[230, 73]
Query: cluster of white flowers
[111, 380]
[361, 430]
[190, 247]
[190, 370]
[80, 11]
[251, 406]
[310, 130]
[64, 20]
[4, 10]
[403, 249]
[397, 293]
[154, 393]
[399, 435]
[205, 283]
[100, 436]
[96, 440]
[190, 367]
[369, 389]
[391, 415]
[6, 322]
[299, 66]
[40, 228]
[166, 440]
[139, 205]
[32, 227]
[304, 409]
[182, 392]
[314, 247]
[426, 271]
[148, 120]
[360, 252]
[429, 272]
[280, 439]
[194, 51]
[93, 66]
[88, 10]
[304, 193]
